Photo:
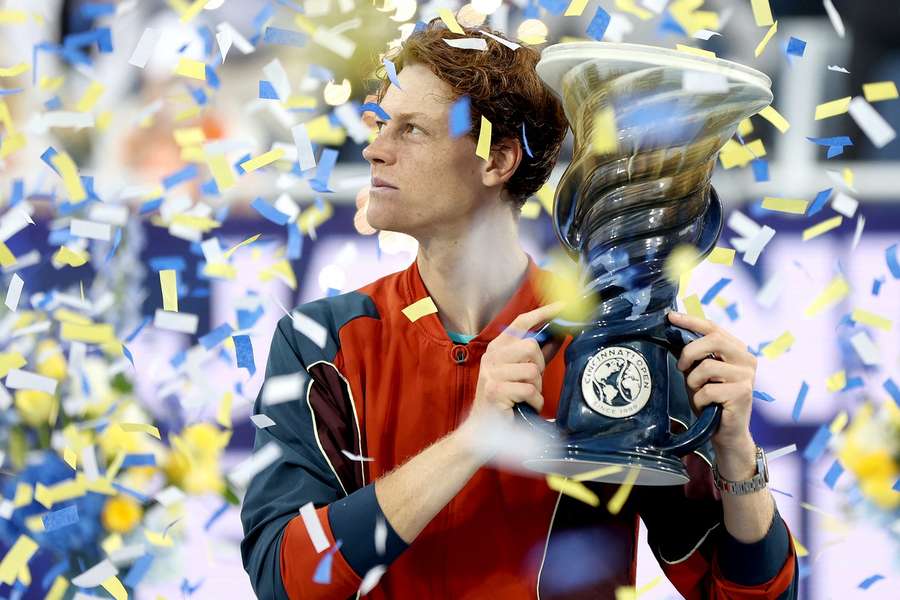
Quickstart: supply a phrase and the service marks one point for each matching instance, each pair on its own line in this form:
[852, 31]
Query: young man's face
[437, 180]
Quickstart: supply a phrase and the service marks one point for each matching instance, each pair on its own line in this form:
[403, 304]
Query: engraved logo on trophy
[616, 382]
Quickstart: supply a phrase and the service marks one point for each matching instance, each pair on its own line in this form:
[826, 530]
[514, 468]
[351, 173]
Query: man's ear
[502, 162]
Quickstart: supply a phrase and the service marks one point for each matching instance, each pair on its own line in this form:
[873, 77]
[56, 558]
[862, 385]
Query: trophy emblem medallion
[616, 382]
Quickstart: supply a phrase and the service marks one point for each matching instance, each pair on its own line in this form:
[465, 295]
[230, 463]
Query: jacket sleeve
[687, 534]
[277, 551]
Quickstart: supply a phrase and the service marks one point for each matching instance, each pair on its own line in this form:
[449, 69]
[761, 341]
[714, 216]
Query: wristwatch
[748, 486]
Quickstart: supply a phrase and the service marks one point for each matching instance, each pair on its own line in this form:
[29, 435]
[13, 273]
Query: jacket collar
[527, 297]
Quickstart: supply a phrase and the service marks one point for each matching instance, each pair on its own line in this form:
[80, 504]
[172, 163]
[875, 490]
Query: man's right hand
[512, 367]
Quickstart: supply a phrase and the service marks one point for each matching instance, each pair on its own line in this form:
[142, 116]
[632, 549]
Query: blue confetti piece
[47, 157]
[896, 486]
[732, 311]
[269, 212]
[712, 292]
[525, 141]
[13, 91]
[138, 571]
[150, 205]
[876, 285]
[798, 403]
[841, 140]
[834, 151]
[133, 493]
[326, 164]
[216, 336]
[760, 169]
[833, 474]
[263, 16]
[60, 518]
[207, 36]
[391, 70]
[18, 192]
[199, 95]
[294, 243]
[209, 188]
[244, 351]
[215, 516]
[101, 36]
[161, 263]
[758, 395]
[117, 239]
[293, 6]
[375, 108]
[891, 388]
[267, 90]
[127, 354]
[284, 37]
[817, 445]
[323, 569]
[597, 27]
[869, 581]
[890, 255]
[819, 203]
[138, 329]
[53, 103]
[853, 382]
[461, 117]
[554, 7]
[139, 460]
[796, 47]
[212, 78]
[92, 10]
[180, 176]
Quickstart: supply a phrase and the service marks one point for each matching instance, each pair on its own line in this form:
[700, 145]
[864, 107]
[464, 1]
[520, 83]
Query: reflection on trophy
[637, 188]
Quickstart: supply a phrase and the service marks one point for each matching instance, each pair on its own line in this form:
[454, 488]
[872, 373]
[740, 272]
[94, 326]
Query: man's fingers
[529, 320]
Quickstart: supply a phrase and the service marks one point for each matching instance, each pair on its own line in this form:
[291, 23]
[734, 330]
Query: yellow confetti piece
[450, 21]
[94, 333]
[650, 585]
[157, 539]
[836, 291]
[574, 489]
[832, 108]
[10, 360]
[791, 206]
[169, 285]
[530, 210]
[221, 171]
[141, 427]
[419, 309]
[775, 118]
[597, 473]
[234, 248]
[113, 469]
[762, 13]
[721, 256]
[11, 144]
[70, 457]
[745, 127]
[321, 131]
[839, 422]
[199, 223]
[223, 415]
[734, 154]
[64, 315]
[836, 382]
[871, 319]
[58, 589]
[779, 346]
[193, 10]
[628, 6]
[799, 548]
[69, 172]
[300, 102]
[188, 67]
[604, 139]
[183, 115]
[113, 585]
[883, 90]
[220, 270]
[545, 197]
[262, 160]
[822, 228]
[189, 136]
[693, 306]
[760, 48]
[13, 17]
[680, 262]
[103, 120]
[14, 70]
[575, 8]
[17, 558]
[51, 84]
[44, 495]
[847, 174]
[90, 97]
[483, 150]
[695, 51]
[23, 496]
[618, 500]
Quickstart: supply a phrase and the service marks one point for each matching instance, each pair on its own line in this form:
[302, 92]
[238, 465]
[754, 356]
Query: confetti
[598, 25]
[311, 328]
[169, 286]
[883, 90]
[876, 128]
[822, 228]
[467, 43]
[774, 117]
[483, 149]
[175, 321]
[760, 48]
[262, 421]
[762, 13]
[865, 348]
[572, 488]
[262, 160]
[450, 21]
[284, 388]
[314, 527]
[60, 518]
[145, 47]
[871, 319]
[833, 108]
[836, 291]
[140, 428]
[460, 117]
[17, 379]
[834, 17]
[193, 69]
[618, 499]
[786, 205]
[420, 308]
[14, 292]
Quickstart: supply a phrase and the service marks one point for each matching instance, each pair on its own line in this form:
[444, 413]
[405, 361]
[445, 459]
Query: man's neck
[471, 273]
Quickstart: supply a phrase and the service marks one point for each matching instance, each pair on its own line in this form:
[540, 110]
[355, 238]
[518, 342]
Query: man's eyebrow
[407, 116]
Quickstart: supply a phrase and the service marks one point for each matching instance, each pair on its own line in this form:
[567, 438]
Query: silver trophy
[648, 124]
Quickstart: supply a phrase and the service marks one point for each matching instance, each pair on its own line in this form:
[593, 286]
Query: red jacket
[386, 387]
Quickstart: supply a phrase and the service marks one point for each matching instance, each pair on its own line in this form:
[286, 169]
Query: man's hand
[726, 379]
[512, 367]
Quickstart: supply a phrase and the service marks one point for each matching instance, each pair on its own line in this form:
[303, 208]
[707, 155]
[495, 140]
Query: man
[381, 442]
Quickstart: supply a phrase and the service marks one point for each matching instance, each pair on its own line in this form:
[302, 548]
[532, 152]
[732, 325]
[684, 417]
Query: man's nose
[377, 151]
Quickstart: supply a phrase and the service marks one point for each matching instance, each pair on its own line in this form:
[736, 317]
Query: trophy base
[654, 469]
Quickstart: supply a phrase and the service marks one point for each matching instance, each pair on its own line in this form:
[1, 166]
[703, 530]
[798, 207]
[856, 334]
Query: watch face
[763, 465]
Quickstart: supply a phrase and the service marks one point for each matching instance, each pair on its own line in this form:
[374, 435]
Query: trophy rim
[559, 59]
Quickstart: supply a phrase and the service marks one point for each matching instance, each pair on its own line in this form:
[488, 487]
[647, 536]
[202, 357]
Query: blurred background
[123, 127]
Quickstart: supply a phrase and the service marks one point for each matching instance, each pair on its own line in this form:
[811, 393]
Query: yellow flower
[121, 514]
[193, 464]
[35, 407]
[866, 453]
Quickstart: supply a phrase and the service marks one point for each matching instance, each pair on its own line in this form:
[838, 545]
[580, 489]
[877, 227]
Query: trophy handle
[708, 421]
[524, 410]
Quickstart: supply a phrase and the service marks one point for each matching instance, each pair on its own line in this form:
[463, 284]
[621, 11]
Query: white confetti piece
[14, 292]
[145, 47]
[311, 328]
[835, 17]
[18, 379]
[239, 41]
[223, 40]
[14, 221]
[91, 230]
[242, 474]
[305, 153]
[371, 579]
[784, 451]
[278, 77]
[380, 536]
[262, 421]
[284, 388]
[705, 34]
[96, 575]
[175, 321]
[844, 204]
[771, 290]
[857, 235]
[507, 43]
[169, 496]
[467, 43]
[356, 457]
[314, 527]
[334, 41]
[838, 68]
[756, 245]
[866, 348]
[114, 214]
[879, 131]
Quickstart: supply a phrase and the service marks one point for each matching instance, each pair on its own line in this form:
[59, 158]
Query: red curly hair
[502, 85]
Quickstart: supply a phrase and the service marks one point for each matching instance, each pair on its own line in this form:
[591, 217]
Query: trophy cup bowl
[621, 208]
